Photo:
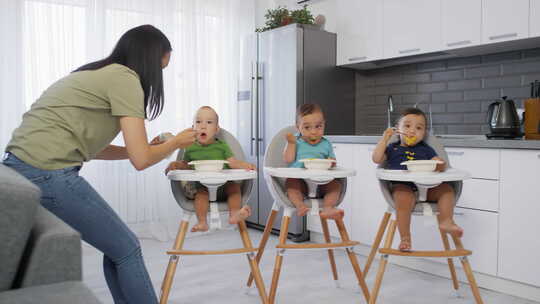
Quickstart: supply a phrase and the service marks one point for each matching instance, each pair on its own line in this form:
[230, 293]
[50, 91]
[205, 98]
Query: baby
[208, 147]
[310, 144]
[412, 129]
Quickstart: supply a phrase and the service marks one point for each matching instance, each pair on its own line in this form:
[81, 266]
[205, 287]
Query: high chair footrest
[211, 252]
[318, 246]
[432, 254]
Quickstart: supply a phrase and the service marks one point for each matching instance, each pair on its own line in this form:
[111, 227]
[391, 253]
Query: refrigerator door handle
[261, 104]
[252, 138]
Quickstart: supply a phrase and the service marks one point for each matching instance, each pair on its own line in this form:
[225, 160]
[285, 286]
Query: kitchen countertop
[463, 141]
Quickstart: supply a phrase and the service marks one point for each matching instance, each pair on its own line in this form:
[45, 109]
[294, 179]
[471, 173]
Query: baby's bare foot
[405, 244]
[200, 227]
[239, 215]
[452, 228]
[302, 210]
[332, 213]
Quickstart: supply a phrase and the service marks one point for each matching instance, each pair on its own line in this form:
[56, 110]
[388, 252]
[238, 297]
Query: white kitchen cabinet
[345, 158]
[411, 27]
[519, 225]
[534, 18]
[481, 163]
[480, 237]
[369, 206]
[359, 31]
[504, 20]
[461, 23]
[480, 194]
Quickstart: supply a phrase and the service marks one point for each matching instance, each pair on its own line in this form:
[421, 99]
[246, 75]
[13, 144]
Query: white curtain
[43, 40]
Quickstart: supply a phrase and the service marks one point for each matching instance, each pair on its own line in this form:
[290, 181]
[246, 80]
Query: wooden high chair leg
[326, 232]
[468, 271]
[451, 266]
[377, 241]
[252, 262]
[352, 257]
[264, 240]
[173, 262]
[279, 258]
[382, 264]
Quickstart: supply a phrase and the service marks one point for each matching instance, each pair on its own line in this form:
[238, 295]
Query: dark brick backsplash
[459, 90]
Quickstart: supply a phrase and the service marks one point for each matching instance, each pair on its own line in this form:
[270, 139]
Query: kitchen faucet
[389, 109]
[430, 116]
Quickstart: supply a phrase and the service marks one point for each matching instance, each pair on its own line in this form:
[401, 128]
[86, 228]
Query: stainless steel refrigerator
[280, 70]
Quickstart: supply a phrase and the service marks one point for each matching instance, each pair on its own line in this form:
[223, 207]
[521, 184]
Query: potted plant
[281, 16]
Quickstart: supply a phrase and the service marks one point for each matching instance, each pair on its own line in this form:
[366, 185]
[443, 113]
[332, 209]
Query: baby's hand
[249, 166]
[333, 163]
[440, 167]
[290, 138]
[177, 165]
[388, 133]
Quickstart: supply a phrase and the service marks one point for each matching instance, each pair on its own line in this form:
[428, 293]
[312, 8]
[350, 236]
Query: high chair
[216, 206]
[423, 207]
[276, 183]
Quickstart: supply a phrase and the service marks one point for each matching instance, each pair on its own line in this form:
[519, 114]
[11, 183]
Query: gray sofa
[40, 255]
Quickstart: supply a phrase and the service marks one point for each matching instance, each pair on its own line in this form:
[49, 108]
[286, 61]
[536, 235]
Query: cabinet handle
[357, 58]
[456, 153]
[496, 37]
[409, 51]
[463, 42]
[538, 156]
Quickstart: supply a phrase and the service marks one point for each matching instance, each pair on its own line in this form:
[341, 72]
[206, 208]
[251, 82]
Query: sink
[461, 137]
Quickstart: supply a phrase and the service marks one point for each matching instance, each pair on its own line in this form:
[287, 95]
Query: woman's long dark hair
[141, 49]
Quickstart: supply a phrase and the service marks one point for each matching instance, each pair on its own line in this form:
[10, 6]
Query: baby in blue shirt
[310, 144]
[412, 129]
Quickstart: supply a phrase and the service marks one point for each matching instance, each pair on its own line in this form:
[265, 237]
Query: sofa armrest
[53, 253]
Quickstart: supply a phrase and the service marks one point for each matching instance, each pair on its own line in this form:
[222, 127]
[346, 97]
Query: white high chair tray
[336, 172]
[226, 175]
[449, 175]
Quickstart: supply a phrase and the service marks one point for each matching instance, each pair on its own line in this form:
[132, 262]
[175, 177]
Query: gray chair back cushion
[273, 157]
[19, 199]
[236, 149]
[436, 144]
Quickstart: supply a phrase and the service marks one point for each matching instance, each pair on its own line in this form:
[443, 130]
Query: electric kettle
[503, 119]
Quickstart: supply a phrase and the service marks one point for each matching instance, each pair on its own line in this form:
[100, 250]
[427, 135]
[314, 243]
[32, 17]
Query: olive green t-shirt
[77, 117]
[218, 150]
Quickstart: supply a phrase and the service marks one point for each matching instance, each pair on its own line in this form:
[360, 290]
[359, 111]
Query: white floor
[305, 277]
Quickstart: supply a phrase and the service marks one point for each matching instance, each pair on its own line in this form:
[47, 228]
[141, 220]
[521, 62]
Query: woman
[74, 121]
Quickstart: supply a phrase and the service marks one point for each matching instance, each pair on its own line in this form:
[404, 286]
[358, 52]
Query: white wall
[323, 7]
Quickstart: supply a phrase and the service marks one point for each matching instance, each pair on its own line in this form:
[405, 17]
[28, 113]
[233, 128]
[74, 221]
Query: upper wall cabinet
[411, 27]
[461, 23]
[534, 18]
[504, 20]
[359, 28]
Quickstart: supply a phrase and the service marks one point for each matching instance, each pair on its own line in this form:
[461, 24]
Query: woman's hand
[185, 138]
[177, 165]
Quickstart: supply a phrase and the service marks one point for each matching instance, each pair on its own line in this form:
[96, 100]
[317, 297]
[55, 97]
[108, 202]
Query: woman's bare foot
[405, 244]
[236, 216]
[200, 227]
[332, 213]
[302, 210]
[452, 228]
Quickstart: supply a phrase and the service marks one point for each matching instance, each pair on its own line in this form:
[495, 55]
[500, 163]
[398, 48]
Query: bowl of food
[208, 165]
[427, 165]
[317, 163]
